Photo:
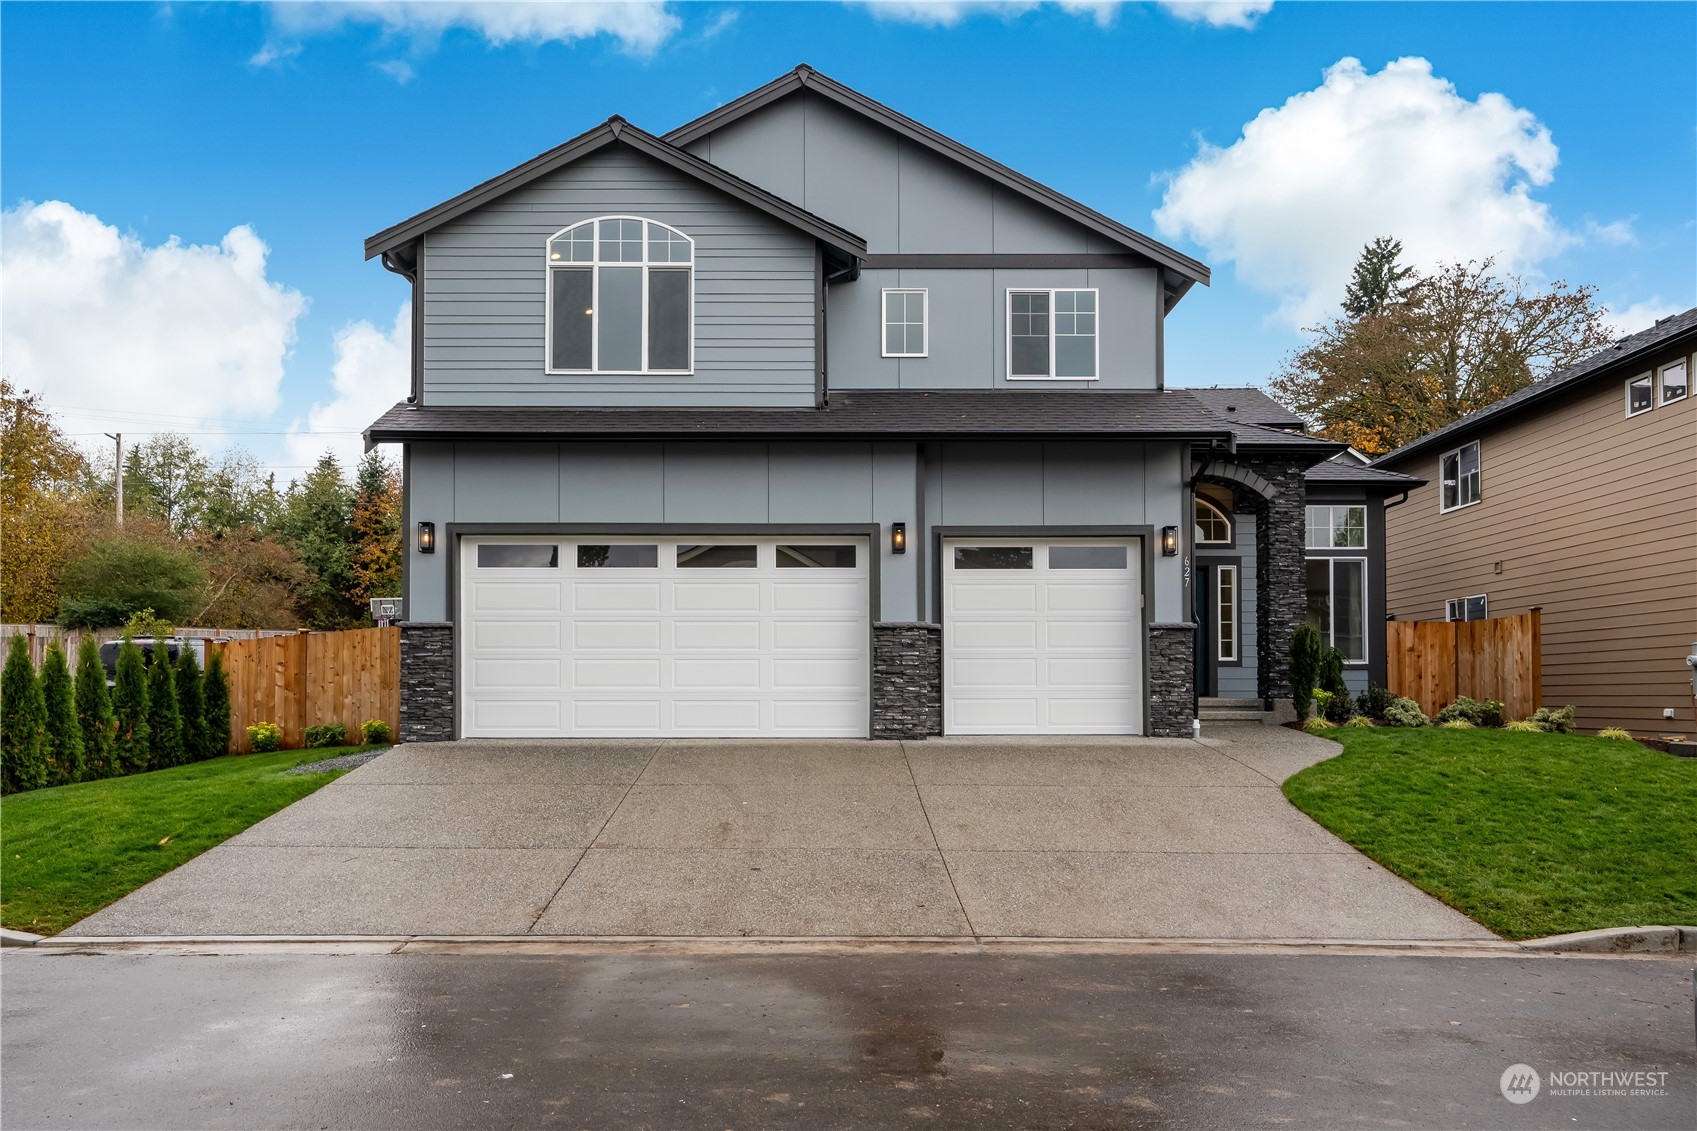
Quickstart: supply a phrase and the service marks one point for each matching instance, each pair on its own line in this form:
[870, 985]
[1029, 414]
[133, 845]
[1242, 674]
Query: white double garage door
[583, 636]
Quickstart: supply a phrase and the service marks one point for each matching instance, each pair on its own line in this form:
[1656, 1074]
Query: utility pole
[118, 470]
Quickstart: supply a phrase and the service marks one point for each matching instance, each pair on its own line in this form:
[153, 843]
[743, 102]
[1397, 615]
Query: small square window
[1640, 394]
[1676, 381]
[904, 323]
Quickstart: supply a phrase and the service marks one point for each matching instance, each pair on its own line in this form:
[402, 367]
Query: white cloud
[273, 53]
[1218, 13]
[639, 26]
[1626, 320]
[372, 370]
[948, 13]
[1398, 153]
[398, 69]
[1616, 233]
[95, 320]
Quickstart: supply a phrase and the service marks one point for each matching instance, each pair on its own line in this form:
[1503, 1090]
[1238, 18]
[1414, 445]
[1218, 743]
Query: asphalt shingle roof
[1248, 405]
[1338, 471]
[1624, 352]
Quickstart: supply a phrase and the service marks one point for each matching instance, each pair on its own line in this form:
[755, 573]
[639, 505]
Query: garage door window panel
[816, 557]
[1087, 557]
[612, 556]
[514, 556]
[718, 557]
[993, 557]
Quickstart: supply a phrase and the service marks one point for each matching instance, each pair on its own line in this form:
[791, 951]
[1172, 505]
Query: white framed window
[620, 298]
[1337, 604]
[1052, 334]
[1675, 381]
[905, 331]
[1459, 475]
[1467, 608]
[1337, 527]
[1640, 394]
[1225, 609]
[1213, 526]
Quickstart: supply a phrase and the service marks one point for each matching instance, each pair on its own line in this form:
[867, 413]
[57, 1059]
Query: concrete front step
[1221, 710]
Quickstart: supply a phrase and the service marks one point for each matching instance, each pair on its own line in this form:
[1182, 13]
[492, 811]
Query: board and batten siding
[484, 294]
[1592, 516]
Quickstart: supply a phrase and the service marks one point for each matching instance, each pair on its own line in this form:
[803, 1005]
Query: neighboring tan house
[1344, 558]
[805, 419]
[1577, 495]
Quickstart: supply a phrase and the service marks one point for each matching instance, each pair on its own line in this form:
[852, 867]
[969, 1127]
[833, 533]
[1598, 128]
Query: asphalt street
[618, 1038]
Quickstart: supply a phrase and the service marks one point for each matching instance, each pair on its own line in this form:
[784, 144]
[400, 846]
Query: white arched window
[621, 298]
[1213, 528]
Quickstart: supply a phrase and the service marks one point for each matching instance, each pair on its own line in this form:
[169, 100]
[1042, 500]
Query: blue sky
[1563, 136]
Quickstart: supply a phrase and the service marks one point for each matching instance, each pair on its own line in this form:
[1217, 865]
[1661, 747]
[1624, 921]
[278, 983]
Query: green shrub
[326, 734]
[1304, 667]
[215, 697]
[1322, 700]
[125, 575]
[1616, 732]
[1523, 726]
[191, 704]
[1331, 672]
[145, 623]
[1405, 713]
[164, 720]
[1360, 722]
[63, 738]
[131, 751]
[95, 722]
[1374, 701]
[23, 722]
[1553, 722]
[265, 737]
[376, 732]
[1340, 708]
[1456, 724]
[1486, 713]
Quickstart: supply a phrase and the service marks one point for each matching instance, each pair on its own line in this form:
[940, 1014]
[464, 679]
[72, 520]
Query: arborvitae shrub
[23, 722]
[164, 721]
[215, 692]
[191, 704]
[1304, 667]
[129, 705]
[63, 738]
[1331, 672]
[95, 723]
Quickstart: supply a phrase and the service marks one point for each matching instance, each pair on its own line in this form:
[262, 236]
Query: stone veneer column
[427, 681]
[1172, 679]
[907, 680]
[1282, 567]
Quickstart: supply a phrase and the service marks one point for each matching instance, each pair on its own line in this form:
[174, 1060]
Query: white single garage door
[700, 636]
[1042, 637]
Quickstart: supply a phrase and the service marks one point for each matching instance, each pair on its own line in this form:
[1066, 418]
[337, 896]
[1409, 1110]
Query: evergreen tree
[164, 720]
[1379, 280]
[64, 738]
[131, 751]
[23, 722]
[316, 521]
[216, 707]
[94, 712]
[191, 704]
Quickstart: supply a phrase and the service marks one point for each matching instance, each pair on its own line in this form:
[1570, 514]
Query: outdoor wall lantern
[1169, 541]
[898, 537]
[427, 537]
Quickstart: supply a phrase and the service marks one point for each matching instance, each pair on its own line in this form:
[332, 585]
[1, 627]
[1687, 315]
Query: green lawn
[69, 851]
[1530, 834]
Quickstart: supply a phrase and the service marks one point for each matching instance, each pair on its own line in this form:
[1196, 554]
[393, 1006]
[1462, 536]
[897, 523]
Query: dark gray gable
[1188, 271]
[616, 131]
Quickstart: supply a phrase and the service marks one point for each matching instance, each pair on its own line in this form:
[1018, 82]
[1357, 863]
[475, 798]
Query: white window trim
[924, 294]
[1657, 390]
[1451, 603]
[1626, 393]
[1220, 612]
[1330, 528]
[1366, 604]
[1231, 528]
[595, 266]
[1457, 453]
[1007, 333]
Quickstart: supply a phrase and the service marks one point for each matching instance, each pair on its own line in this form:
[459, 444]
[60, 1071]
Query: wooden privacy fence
[311, 678]
[1436, 662]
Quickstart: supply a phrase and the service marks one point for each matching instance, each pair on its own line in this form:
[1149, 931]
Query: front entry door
[1204, 629]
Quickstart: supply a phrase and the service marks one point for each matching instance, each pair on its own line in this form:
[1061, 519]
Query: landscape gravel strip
[331, 765]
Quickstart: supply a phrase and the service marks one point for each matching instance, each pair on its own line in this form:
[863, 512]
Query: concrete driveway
[1075, 838]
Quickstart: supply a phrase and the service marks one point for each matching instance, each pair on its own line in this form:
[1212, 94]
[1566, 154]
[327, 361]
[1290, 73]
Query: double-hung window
[1337, 604]
[1459, 473]
[620, 298]
[1675, 381]
[1052, 335]
[904, 322]
[1337, 528]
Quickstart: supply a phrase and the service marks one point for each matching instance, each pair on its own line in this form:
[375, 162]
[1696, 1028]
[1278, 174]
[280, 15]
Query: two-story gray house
[806, 420]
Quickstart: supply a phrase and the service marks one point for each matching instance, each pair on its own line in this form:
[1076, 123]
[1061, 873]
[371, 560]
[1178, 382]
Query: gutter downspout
[392, 262]
[852, 271]
[1398, 501]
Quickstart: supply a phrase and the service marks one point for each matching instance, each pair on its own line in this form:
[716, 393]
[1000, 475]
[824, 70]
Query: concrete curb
[18, 938]
[739, 945]
[1621, 940]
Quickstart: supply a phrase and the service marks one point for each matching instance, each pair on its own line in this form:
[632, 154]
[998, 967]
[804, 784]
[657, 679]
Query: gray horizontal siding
[484, 294]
